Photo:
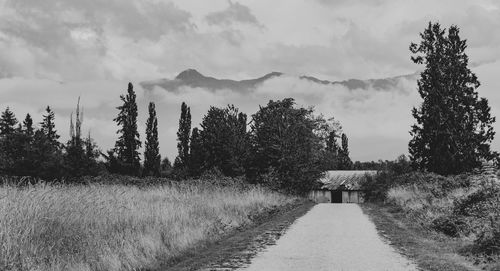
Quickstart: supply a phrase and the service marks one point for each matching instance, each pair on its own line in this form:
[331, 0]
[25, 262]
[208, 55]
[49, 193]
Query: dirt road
[331, 237]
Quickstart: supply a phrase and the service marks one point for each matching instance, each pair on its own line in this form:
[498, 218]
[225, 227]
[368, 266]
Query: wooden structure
[341, 186]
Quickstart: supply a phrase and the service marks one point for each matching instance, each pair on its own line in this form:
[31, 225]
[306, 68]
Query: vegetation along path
[331, 237]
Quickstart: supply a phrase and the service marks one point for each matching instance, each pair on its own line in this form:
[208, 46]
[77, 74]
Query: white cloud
[234, 13]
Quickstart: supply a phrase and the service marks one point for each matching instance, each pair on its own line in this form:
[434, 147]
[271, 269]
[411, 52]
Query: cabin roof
[345, 179]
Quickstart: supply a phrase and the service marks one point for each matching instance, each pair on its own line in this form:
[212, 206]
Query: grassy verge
[239, 247]
[117, 227]
[430, 250]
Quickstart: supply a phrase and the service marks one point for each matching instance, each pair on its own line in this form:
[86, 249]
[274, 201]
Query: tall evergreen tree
[127, 145]
[28, 125]
[80, 157]
[9, 152]
[48, 127]
[182, 160]
[92, 154]
[453, 129]
[152, 157]
[47, 157]
[197, 155]
[344, 159]
[8, 122]
[332, 151]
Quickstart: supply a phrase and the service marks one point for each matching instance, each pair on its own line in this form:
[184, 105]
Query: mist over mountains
[194, 79]
[380, 106]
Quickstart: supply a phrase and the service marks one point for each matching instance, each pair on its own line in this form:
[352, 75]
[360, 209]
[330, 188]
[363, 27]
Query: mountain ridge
[194, 79]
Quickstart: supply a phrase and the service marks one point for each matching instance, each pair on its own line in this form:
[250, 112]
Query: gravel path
[331, 237]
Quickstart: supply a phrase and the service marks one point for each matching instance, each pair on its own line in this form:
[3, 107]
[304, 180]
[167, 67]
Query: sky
[53, 51]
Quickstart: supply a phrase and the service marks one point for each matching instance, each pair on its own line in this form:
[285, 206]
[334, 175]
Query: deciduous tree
[285, 147]
[223, 140]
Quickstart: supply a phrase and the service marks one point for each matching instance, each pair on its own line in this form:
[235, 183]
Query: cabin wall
[320, 196]
[346, 196]
[352, 196]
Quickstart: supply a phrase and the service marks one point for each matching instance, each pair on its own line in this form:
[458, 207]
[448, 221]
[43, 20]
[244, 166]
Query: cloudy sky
[53, 51]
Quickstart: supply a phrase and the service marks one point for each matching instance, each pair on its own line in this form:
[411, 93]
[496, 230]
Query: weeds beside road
[442, 221]
[430, 251]
[118, 227]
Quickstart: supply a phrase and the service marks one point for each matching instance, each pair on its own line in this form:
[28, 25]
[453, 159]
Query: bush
[450, 225]
[377, 186]
[478, 204]
[488, 241]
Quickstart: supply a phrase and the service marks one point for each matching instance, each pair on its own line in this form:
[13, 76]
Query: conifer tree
[92, 154]
[8, 122]
[8, 150]
[75, 160]
[196, 153]
[48, 127]
[183, 134]
[152, 158]
[332, 152]
[453, 129]
[345, 161]
[127, 145]
[28, 126]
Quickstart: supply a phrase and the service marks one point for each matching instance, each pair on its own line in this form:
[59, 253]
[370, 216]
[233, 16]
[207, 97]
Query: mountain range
[194, 79]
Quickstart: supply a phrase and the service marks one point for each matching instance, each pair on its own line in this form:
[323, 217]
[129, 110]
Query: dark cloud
[43, 38]
[47, 23]
[236, 12]
[351, 2]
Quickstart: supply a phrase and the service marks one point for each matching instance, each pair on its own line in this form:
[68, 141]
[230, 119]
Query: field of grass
[430, 250]
[464, 210]
[118, 227]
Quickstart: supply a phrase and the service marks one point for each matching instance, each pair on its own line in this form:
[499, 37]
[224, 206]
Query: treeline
[26, 150]
[281, 145]
[401, 164]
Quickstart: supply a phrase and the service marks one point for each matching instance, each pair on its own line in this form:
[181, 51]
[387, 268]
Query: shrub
[452, 225]
[488, 241]
[377, 187]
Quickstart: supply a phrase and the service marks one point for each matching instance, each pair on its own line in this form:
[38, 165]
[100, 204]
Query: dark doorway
[336, 196]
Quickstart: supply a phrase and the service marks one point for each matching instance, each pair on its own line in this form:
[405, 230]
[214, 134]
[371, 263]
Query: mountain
[378, 84]
[192, 78]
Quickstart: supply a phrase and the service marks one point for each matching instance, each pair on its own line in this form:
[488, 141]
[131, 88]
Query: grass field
[430, 250]
[117, 227]
[462, 212]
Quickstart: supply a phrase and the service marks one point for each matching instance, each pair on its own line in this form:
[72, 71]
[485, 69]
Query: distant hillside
[192, 78]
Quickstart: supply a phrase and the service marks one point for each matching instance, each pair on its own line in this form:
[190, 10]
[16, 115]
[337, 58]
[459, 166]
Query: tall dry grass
[422, 204]
[117, 227]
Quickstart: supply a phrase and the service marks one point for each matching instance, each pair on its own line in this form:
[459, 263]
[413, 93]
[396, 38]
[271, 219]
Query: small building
[341, 186]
